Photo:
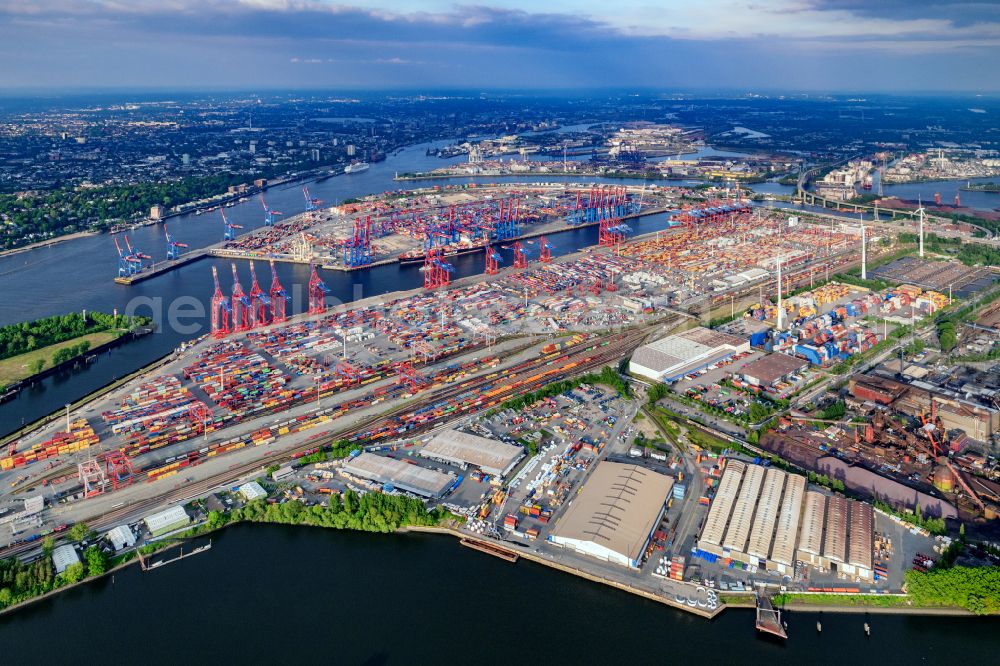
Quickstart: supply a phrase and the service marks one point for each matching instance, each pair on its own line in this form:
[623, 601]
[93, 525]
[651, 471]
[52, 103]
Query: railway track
[588, 357]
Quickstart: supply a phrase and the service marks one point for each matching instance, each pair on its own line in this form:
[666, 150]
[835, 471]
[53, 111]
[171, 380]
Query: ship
[357, 167]
[454, 250]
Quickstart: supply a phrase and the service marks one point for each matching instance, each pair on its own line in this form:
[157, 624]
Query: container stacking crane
[259, 301]
[317, 292]
[544, 250]
[230, 228]
[279, 297]
[135, 257]
[269, 213]
[173, 247]
[437, 271]
[493, 260]
[311, 203]
[241, 305]
[124, 264]
[520, 256]
[220, 309]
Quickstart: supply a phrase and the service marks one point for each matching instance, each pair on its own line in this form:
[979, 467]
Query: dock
[163, 267]
[146, 566]
[769, 618]
[489, 549]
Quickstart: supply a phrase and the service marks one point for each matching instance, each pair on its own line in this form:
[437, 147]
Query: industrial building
[252, 490]
[64, 557]
[764, 517]
[464, 449]
[967, 407]
[167, 521]
[393, 473]
[615, 514]
[121, 537]
[772, 369]
[674, 356]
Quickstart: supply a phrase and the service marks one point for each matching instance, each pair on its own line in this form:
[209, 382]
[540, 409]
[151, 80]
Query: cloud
[525, 43]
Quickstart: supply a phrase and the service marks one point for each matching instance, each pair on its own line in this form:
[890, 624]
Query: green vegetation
[27, 336]
[931, 524]
[340, 449]
[20, 581]
[66, 210]
[66, 353]
[371, 512]
[976, 589]
[869, 600]
[608, 377]
[835, 411]
[824, 480]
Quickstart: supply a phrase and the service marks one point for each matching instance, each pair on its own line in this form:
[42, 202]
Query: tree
[36, 366]
[216, 519]
[74, 573]
[97, 562]
[78, 532]
[48, 545]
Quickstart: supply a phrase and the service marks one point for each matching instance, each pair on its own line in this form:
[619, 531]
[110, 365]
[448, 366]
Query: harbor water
[428, 601]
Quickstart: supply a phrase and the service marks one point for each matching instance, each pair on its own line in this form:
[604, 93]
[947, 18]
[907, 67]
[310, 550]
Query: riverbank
[49, 242]
[209, 529]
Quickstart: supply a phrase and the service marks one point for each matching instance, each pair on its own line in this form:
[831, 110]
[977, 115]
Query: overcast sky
[846, 45]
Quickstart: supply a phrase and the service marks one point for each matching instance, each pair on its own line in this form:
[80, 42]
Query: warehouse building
[835, 541]
[741, 519]
[759, 547]
[772, 369]
[786, 533]
[163, 522]
[252, 490]
[64, 557]
[764, 517]
[722, 506]
[121, 537]
[397, 474]
[811, 538]
[674, 356]
[859, 555]
[464, 449]
[614, 516]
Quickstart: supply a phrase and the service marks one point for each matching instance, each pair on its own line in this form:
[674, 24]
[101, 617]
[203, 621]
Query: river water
[313, 596]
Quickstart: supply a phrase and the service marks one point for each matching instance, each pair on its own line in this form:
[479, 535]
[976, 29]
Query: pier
[163, 267]
[489, 549]
[769, 618]
[146, 566]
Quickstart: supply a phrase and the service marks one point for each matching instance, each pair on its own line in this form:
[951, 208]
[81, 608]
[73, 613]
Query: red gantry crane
[317, 292]
[279, 297]
[259, 301]
[220, 309]
[241, 305]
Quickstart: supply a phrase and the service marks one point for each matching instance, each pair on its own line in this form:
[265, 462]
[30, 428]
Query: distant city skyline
[823, 45]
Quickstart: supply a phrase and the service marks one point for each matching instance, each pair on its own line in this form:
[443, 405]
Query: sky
[754, 45]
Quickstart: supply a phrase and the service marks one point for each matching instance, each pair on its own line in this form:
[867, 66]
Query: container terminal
[413, 381]
[406, 226]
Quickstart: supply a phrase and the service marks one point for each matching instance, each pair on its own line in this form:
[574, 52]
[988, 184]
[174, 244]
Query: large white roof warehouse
[462, 448]
[676, 355]
[615, 513]
[411, 478]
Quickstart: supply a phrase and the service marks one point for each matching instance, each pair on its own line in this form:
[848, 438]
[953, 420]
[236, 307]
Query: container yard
[387, 349]
[405, 226]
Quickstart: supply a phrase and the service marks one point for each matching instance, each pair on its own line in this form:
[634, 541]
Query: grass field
[16, 368]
